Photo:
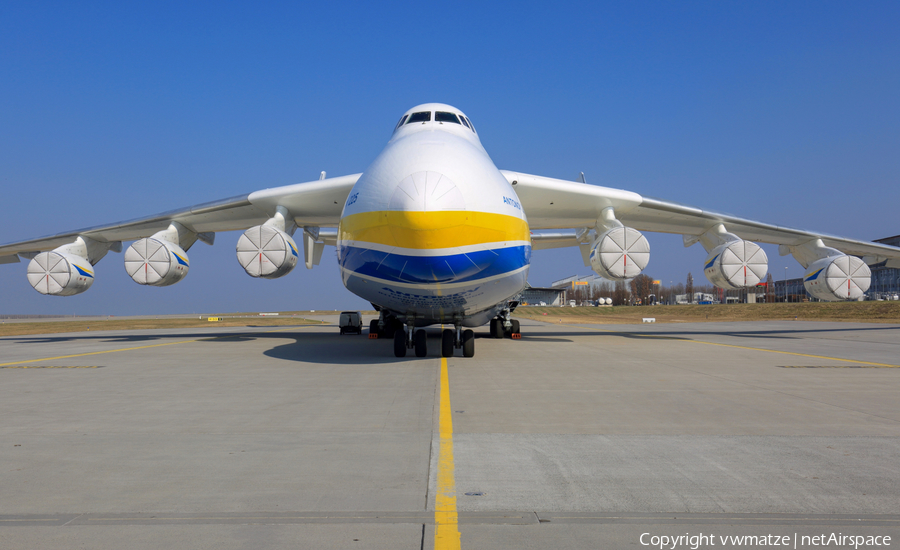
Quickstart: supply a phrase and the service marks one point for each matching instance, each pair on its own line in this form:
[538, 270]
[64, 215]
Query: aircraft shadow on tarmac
[302, 345]
[352, 349]
[532, 332]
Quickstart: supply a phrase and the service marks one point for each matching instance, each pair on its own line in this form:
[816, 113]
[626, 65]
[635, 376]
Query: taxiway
[576, 436]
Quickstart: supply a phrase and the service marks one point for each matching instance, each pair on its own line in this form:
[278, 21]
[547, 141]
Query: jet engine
[837, 278]
[156, 262]
[266, 251]
[736, 264]
[60, 274]
[620, 253]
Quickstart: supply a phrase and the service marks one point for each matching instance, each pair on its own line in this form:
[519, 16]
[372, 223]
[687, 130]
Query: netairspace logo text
[694, 542]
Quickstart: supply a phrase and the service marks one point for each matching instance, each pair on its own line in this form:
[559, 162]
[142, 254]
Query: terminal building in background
[885, 282]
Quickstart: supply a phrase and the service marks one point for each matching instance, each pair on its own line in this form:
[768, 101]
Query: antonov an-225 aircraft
[432, 232]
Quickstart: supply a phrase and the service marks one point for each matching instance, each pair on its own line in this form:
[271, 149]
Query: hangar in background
[532, 296]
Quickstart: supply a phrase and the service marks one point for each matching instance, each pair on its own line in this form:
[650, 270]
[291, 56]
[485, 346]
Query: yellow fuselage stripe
[446, 520]
[430, 230]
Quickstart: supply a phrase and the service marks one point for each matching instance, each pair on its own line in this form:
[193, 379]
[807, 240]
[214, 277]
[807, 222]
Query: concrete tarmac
[576, 436]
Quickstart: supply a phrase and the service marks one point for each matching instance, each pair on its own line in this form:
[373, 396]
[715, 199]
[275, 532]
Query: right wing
[316, 203]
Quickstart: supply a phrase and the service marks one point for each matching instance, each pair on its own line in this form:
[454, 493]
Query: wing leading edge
[316, 203]
[552, 204]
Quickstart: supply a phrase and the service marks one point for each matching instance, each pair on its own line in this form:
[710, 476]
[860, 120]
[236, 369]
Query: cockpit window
[464, 121]
[472, 126]
[441, 116]
[424, 116]
[402, 120]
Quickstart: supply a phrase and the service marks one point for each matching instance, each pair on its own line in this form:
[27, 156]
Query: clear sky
[785, 112]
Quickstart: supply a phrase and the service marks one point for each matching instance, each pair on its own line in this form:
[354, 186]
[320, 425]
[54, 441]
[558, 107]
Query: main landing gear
[501, 327]
[457, 338]
[451, 339]
[410, 339]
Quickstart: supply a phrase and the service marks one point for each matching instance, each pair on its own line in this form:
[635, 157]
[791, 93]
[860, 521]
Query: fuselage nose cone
[427, 191]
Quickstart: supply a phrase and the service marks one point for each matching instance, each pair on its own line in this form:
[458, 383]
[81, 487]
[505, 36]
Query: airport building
[533, 296]
[885, 280]
[885, 283]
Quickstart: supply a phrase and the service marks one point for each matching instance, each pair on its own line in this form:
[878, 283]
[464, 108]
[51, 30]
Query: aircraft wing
[316, 203]
[552, 204]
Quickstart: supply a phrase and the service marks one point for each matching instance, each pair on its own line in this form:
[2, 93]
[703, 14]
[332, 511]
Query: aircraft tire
[399, 344]
[373, 327]
[420, 342]
[468, 343]
[516, 329]
[496, 328]
[447, 342]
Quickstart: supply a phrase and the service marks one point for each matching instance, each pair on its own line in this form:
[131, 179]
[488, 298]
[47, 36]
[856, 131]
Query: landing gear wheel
[399, 343]
[516, 332]
[420, 342]
[496, 328]
[373, 327]
[468, 343]
[447, 342]
[390, 329]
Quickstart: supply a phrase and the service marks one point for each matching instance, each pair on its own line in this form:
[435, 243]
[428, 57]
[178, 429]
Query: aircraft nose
[427, 191]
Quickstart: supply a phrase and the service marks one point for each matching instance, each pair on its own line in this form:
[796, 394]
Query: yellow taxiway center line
[446, 520]
[140, 347]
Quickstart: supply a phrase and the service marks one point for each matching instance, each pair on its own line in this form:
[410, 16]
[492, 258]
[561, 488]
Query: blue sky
[783, 112]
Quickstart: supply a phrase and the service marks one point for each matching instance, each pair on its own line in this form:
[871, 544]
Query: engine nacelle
[60, 274]
[620, 253]
[267, 252]
[837, 278]
[156, 262]
[736, 264]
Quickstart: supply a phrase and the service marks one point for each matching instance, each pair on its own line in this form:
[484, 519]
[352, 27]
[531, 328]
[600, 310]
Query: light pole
[785, 285]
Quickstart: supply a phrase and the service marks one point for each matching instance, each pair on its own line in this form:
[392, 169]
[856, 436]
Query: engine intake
[837, 278]
[620, 253]
[736, 264]
[156, 262]
[267, 252]
[60, 274]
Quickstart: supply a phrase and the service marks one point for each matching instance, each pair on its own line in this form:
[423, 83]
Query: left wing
[558, 204]
[606, 225]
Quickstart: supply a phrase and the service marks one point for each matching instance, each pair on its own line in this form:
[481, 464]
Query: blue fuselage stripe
[451, 268]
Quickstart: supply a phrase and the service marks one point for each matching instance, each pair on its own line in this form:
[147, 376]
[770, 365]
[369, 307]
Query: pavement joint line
[654, 336]
[446, 518]
[882, 365]
[471, 517]
[146, 347]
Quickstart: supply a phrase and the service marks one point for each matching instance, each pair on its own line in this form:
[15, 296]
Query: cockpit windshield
[441, 116]
[424, 116]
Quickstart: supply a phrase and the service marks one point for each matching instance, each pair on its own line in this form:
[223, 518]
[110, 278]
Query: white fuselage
[432, 231]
